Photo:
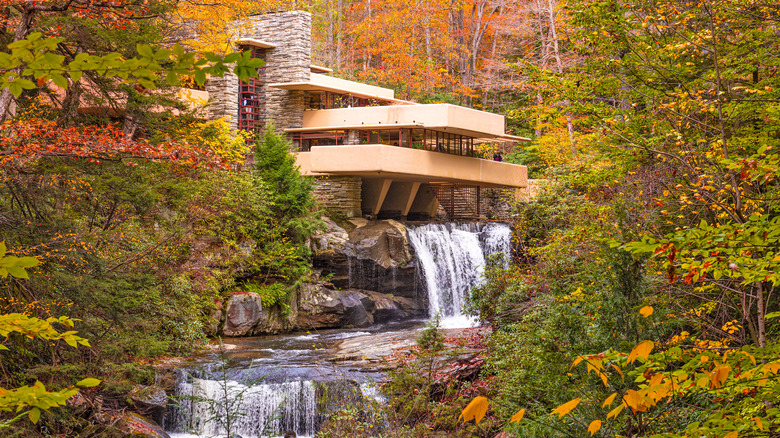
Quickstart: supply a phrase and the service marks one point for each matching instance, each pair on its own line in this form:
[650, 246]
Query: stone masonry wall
[497, 202]
[223, 93]
[339, 194]
[289, 61]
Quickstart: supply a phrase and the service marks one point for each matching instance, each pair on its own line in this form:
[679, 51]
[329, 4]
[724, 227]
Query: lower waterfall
[258, 410]
[452, 258]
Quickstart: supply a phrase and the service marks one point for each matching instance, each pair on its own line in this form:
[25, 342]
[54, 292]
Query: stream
[267, 386]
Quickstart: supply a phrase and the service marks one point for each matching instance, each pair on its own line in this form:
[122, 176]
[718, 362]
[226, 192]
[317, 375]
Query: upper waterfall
[452, 257]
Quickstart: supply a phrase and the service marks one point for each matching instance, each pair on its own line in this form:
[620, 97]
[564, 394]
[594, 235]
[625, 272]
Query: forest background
[654, 123]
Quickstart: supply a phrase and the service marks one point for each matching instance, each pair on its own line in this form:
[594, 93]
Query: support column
[410, 200]
[382, 194]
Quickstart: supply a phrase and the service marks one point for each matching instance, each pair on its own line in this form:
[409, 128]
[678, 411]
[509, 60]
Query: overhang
[438, 117]
[320, 69]
[356, 127]
[404, 164]
[255, 43]
[319, 82]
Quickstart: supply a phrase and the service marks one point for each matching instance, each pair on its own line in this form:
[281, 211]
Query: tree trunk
[559, 65]
[7, 101]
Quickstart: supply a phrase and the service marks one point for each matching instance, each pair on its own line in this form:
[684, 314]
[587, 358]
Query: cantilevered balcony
[404, 164]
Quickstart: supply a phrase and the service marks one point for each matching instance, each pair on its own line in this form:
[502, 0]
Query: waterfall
[263, 409]
[452, 258]
[258, 409]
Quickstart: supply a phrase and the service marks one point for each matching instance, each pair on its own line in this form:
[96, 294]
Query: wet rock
[150, 400]
[136, 425]
[386, 308]
[376, 256]
[382, 242]
[277, 319]
[243, 313]
[332, 239]
[321, 307]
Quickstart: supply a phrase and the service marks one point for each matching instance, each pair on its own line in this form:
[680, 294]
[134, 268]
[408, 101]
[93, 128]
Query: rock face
[369, 277]
[323, 307]
[152, 401]
[136, 425]
[373, 255]
[243, 313]
[245, 316]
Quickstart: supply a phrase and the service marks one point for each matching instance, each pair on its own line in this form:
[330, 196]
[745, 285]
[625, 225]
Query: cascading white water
[452, 258]
[265, 409]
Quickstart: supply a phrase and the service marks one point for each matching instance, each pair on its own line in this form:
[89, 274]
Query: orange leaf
[518, 416]
[719, 376]
[594, 427]
[608, 401]
[566, 407]
[642, 350]
[475, 410]
[646, 311]
[758, 423]
[734, 434]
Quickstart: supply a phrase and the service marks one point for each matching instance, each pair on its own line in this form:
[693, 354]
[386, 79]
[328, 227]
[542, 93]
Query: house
[370, 153]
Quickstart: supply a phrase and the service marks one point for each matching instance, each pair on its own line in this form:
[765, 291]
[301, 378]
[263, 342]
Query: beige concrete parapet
[403, 164]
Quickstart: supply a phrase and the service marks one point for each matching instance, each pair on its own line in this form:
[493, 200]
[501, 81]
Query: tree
[32, 400]
[292, 198]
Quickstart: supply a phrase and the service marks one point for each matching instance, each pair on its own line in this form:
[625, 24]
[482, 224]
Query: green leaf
[145, 50]
[28, 262]
[35, 415]
[89, 382]
[17, 272]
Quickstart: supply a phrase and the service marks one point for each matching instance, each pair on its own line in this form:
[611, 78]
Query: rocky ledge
[367, 255]
[318, 305]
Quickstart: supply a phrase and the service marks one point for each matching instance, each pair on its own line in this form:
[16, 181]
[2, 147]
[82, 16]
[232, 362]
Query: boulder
[149, 400]
[321, 307]
[387, 308]
[382, 242]
[244, 311]
[376, 256]
[136, 425]
[275, 320]
[333, 238]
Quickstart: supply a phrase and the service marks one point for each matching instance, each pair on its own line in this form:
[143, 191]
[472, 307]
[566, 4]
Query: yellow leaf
[646, 311]
[594, 427]
[603, 376]
[594, 365]
[635, 400]
[576, 362]
[773, 367]
[608, 401]
[518, 416]
[566, 407]
[616, 411]
[475, 410]
[617, 368]
[642, 350]
[719, 376]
